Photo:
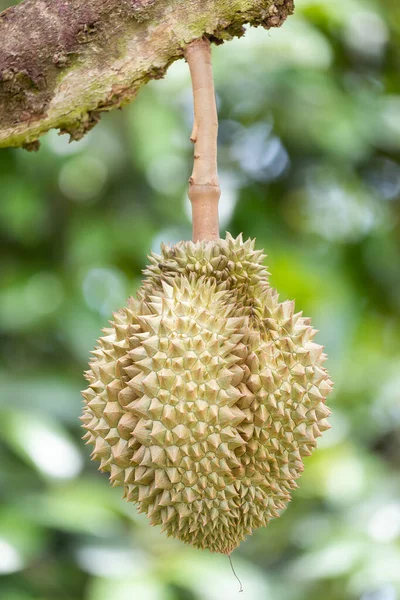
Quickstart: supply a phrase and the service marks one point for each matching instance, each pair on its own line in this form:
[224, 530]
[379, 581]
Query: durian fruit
[206, 393]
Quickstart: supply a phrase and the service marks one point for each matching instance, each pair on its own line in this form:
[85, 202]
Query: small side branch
[204, 190]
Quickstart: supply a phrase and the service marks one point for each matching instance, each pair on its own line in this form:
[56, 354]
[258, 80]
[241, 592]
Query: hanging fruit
[206, 392]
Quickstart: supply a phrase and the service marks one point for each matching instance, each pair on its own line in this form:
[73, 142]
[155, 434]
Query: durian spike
[204, 190]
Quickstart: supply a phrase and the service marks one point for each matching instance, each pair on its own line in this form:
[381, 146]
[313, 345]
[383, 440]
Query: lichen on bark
[64, 62]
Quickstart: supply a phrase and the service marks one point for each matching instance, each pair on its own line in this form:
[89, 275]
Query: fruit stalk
[204, 190]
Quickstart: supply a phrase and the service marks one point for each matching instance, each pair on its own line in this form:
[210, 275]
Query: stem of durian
[204, 190]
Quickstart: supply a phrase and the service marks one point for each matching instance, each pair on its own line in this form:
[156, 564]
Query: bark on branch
[63, 62]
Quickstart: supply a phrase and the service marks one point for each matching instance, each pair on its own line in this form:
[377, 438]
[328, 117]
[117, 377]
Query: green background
[309, 159]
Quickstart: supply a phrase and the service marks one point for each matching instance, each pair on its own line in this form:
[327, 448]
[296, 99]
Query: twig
[204, 190]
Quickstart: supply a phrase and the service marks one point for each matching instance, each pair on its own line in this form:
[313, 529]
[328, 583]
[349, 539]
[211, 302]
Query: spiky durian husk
[206, 393]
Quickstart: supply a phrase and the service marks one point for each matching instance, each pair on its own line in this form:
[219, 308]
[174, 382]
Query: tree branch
[63, 62]
[204, 190]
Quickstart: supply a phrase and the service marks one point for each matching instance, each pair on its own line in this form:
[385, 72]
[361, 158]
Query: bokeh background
[310, 165]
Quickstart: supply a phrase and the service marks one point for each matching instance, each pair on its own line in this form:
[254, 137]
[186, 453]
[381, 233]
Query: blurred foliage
[310, 165]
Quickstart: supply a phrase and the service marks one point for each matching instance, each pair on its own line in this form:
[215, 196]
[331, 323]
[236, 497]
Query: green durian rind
[206, 393]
